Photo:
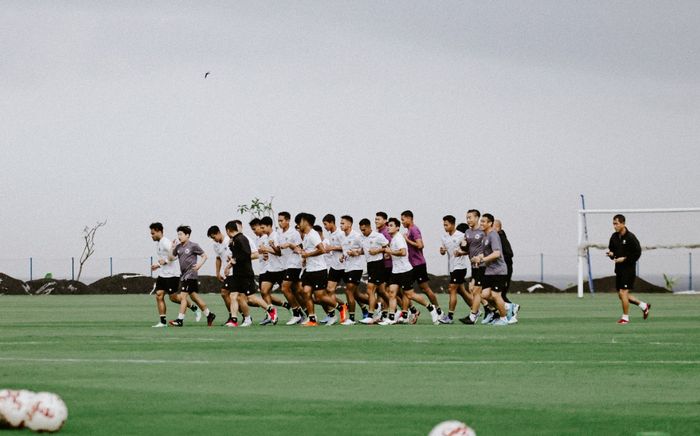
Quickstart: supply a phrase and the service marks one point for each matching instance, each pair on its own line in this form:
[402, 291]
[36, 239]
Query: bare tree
[89, 248]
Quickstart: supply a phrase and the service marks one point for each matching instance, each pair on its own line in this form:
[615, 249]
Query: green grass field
[566, 368]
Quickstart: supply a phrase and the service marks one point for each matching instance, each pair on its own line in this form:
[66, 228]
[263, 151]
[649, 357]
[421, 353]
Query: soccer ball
[14, 406]
[47, 413]
[452, 428]
[44, 411]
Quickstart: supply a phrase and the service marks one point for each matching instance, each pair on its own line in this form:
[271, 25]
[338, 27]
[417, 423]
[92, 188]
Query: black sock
[430, 307]
[439, 311]
[270, 309]
[391, 316]
[384, 313]
[450, 315]
[286, 305]
[312, 318]
[229, 315]
[163, 319]
[404, 314]
[352, 317]
[296, 311]
[193, 308]
[413, 309]
[339, 307]
[365, 311]
[234, 318]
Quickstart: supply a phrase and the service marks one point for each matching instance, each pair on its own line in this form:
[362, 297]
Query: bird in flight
[206, 74]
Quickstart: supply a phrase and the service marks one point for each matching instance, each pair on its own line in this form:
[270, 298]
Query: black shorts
[274, 277]
[189, 285]
[420, 273]
[458, 276]
[404, 280]
[625, 279]
[316, 280]
[171, 285]
[495, 283]
[243, 285]
[336, 275]
[353, 277]
[478, 276]
[376, 272]
[292, 275]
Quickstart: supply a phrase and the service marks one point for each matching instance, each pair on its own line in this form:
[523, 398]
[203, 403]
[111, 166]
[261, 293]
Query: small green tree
[257, 208]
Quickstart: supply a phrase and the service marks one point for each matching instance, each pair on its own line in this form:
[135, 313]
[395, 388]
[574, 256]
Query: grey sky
[344, 107]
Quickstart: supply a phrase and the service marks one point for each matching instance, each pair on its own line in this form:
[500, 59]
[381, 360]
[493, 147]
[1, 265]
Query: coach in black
[625, 251]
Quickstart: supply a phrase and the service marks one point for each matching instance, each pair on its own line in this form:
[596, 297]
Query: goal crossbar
[583, 245]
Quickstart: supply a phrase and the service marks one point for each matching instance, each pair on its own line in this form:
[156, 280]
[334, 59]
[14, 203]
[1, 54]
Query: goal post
[584, 245]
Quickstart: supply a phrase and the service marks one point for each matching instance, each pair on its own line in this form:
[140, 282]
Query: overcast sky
[345, 107]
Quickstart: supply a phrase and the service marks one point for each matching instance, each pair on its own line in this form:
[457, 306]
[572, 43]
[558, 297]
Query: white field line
[351, 362]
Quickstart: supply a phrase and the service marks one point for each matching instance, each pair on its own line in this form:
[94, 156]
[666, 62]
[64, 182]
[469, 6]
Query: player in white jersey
[314, 276]
[268, 246]
[354, 264]
[336, 269]
[458, 262]
[289, 239]
[167, 276]
[373, 245]
[401, 270]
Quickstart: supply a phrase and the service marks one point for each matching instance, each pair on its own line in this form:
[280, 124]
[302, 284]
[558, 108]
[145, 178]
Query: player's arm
[317, 252]
[218, 268]
[202, 259]
[491, 257]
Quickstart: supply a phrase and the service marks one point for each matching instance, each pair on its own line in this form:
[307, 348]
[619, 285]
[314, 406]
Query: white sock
[247, 318]
[626, 317]
[206, 312]
[642, 305]
[472, 316]
[181, 316]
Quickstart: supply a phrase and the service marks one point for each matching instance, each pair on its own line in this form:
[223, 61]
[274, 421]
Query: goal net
[670, 241]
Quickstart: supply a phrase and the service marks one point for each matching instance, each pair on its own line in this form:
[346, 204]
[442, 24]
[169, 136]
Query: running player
[380, 221]
[223, 254]
[373, 244]
[508, 257]
[334, 258]
[167, 276]
[474, 245]
[402, 272]
[625, 251]
[268, 246]
[241, 281]
[354, 264]
[495, 272]
[187, 252]
[291, 282]
[315, 276]
[414, 239]
[458, 262]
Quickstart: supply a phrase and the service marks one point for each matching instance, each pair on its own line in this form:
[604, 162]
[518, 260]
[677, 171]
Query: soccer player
[334, 258]
[474, 245]
[291, 282]
[241, 281]
[380, 221]
[223, 254]
[495, 272]
[354, 264]
[458, 262]
[167, 276]
[414, 239]
[373, 245]
[625, 251]
[508, 257]
[187, 253]
[401, 272]
[268, 246]
[315, 276]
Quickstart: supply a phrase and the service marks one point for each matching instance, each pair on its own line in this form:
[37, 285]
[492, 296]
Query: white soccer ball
[47, 413]
[14, 405]
[452, 428]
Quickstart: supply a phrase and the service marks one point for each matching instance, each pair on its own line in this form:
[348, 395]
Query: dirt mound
[607, 284]
[12, 286]
[124, 284]
[58, 287]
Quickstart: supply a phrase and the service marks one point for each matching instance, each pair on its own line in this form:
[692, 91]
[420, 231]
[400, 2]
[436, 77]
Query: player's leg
[391, 292]
[160, 305]
[269, 308]
[288, 283]
[226, 296]
[350, 298]
[309, 302]
[205, 310]
[180, 320]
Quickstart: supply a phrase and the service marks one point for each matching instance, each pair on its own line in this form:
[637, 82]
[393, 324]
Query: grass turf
[566, 368]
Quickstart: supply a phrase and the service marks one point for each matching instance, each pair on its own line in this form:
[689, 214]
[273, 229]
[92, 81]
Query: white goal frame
[582, 247]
